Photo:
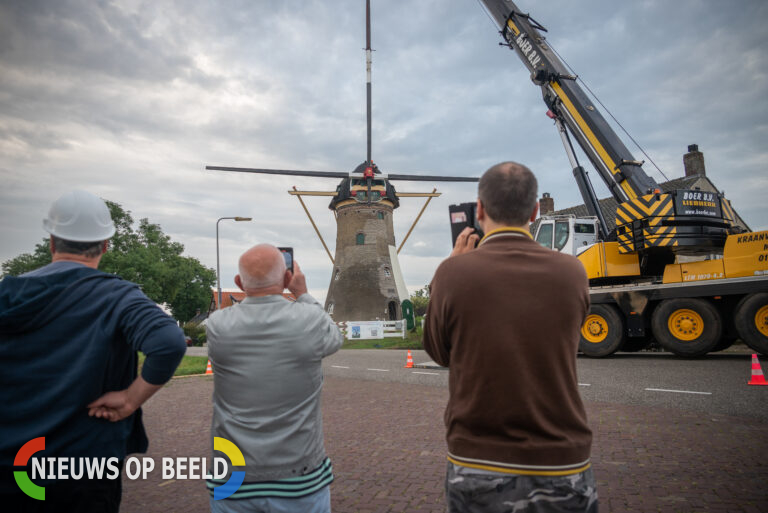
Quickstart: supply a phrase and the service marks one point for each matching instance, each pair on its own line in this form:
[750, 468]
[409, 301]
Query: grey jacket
[266, 354]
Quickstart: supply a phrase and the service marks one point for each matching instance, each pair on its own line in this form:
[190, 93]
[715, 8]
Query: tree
[420, 299]
[145, 256]
[28, 261]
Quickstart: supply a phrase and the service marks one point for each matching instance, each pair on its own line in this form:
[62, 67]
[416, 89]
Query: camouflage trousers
[469, 490]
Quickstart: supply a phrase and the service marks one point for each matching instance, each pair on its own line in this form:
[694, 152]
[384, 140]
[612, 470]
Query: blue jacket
[68, 334]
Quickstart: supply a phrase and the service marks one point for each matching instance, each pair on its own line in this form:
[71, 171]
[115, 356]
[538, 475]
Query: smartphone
[288, 256]
[463, 215]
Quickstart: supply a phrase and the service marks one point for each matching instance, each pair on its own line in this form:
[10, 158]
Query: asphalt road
[714, 384]
[384, 433]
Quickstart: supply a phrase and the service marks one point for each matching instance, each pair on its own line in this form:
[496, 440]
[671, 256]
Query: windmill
[366, 283]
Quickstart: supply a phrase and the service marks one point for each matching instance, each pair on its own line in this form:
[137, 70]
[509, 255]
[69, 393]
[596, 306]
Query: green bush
[196, 332]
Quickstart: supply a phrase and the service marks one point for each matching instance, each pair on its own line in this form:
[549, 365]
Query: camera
[288, 257]
[463, 215]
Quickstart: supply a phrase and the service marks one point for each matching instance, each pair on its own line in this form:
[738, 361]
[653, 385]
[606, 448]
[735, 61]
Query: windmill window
[360, 240]
[330, 308]
[380, 215]
[337, 274]
[387, 272]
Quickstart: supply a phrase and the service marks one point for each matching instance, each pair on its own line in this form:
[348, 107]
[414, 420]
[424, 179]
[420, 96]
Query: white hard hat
[79, 216]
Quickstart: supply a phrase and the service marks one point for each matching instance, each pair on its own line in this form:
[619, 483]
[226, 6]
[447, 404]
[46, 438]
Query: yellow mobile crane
[676, 267]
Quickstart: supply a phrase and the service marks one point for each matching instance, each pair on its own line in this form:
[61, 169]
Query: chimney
[546, 204]
[693, 161]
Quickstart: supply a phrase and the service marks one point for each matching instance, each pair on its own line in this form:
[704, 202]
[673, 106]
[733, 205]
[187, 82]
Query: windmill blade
[427, 178]
[290, 172]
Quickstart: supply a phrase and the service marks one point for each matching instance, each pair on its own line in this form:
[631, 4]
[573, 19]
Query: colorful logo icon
[237, 477]
[22, 477]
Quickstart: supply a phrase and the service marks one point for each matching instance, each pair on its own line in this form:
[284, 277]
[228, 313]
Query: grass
[196, 364]
[189, 365]
[411, 341]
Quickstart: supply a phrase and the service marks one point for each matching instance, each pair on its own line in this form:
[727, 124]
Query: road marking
[430, 373]
[677, 391]
[378, 370]
[339, 367]
[585, 385]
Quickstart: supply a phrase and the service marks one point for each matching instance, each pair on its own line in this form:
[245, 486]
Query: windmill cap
[79, 216]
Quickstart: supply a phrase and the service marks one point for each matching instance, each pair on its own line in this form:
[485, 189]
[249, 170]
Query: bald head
[508, 193]
[262, 267]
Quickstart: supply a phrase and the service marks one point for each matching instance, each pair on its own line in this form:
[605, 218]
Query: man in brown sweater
[505, 318]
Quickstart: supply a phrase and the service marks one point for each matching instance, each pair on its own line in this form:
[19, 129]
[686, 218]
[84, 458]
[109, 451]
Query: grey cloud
[282, 84]
[92, 37]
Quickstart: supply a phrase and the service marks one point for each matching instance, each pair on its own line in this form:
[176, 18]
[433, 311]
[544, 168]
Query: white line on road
[430, 373]
[677, 391]
[339, 367]
[378, 370]
[585, 384]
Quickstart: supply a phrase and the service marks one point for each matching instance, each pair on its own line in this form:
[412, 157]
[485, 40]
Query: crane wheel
[687, 326]
[751, 319]
[602, 333]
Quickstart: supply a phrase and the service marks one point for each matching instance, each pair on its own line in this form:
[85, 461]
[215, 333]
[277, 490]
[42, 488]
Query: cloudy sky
[131, 99]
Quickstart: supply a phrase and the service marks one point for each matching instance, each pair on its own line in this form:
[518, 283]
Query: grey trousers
[478, 491]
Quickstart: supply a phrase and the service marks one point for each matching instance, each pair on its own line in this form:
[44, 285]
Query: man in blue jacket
[68, 340]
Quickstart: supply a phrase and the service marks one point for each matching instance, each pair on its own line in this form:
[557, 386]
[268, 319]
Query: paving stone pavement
[388, 451]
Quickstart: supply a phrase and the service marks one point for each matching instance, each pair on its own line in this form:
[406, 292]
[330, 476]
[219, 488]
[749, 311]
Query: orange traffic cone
[209, 369]
[409, 360]
[757, 373]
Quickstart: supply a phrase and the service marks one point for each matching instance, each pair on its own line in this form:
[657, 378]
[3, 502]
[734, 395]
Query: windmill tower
[363, 279]
[366, 282]
[363, 283]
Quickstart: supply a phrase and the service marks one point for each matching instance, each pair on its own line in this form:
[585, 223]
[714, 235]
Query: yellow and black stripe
[520, 469]
[729, 216]
[647, 211]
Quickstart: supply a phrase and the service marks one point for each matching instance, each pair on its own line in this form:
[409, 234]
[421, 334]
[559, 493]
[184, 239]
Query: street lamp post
[218, 270]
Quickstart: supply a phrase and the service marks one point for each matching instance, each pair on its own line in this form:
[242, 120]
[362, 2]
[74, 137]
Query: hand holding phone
[466, 241]
[298, 284]
[464, 216]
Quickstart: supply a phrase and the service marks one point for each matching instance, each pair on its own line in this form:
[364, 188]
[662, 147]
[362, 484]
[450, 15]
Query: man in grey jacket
[266, 354]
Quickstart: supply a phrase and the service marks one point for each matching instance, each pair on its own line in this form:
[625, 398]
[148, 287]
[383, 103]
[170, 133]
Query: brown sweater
[505, 318]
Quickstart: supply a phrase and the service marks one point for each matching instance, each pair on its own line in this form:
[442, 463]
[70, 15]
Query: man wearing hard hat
[69, 334]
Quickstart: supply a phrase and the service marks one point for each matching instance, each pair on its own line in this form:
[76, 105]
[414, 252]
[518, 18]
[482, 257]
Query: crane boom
[647, 220]
[621, 172]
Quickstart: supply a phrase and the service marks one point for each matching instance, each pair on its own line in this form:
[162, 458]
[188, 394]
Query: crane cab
[567, 234]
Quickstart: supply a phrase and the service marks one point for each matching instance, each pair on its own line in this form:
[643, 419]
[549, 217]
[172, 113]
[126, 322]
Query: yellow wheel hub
[761, 320]
[685, 324]
[594, 329]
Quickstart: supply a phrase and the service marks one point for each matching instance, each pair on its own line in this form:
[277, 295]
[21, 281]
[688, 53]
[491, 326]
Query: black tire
[602, 333]
[751, 319]
[724, 343]
[688, 327]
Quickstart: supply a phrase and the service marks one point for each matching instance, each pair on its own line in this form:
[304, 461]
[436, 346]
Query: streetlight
[218, 271]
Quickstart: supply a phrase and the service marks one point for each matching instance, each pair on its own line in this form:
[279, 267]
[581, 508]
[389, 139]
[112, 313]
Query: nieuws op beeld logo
[63, 468]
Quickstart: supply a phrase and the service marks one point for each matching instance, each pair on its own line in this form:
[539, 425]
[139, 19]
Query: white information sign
[365, 330]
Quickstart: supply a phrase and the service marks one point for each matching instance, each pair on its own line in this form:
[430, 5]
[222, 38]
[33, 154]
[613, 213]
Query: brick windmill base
[363, 286]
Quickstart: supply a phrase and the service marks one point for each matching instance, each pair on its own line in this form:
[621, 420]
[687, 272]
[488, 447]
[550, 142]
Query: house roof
[610, 205]
[198, 318]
